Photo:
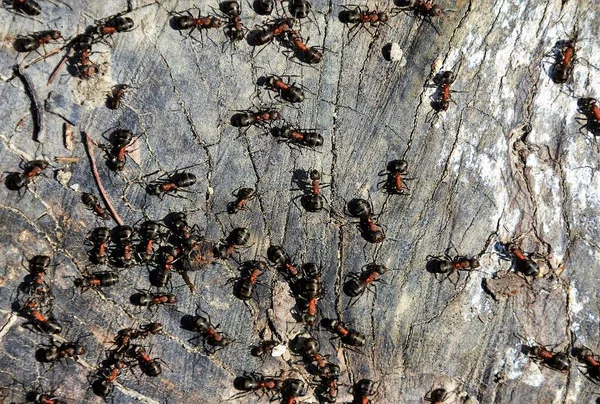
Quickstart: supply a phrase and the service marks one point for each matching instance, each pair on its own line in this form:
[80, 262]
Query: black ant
[244, 286]
[29, 7]
[112, 25]
[122, 139]
[312, 200]
[92, 203]
[99, 238]
[362, 390]
[589, 107]
[369, 229]
[260, 117]
[277, 255]
[56, 352]
[150, 233]
[236, 239]
[150, 300]
[255, 382]
[554, 360]
[31, 170]
[126, 335]
[424, 9]
[35, 283]
[562, 68]
[183, 22]
[360, 18]
[171, 183]
[31, 310]
[117, 93]
[242, 195]
[363, 281]
[521, 262]
[346, 335]
[96, 280]
[300, 137]
[449, 265]
[316, 363]
[122, 237]
[234, 29]
[272, 30]
[160, 276]
[104, 385]
[288, 92]
[32, 42]
[395, 181]
[587, 357]
[212, 339]
[442, 96]
[149, 366]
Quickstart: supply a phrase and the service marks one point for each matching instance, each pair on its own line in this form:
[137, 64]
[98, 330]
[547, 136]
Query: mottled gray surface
[478, 179]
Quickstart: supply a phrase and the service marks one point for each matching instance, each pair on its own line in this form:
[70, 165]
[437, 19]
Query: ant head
[230, 8]
[397, 166]
[586, 103]
[359, 208]
[314, 175]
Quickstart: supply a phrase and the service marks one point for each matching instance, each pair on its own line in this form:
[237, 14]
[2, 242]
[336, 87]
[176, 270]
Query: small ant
[121, 140]
[362, 390]
[369, 229]
[346, 335]
[589, 107]
[173, 183]
[29, 7]
[260, 117]
[55, 352]
[449, 265]
[237, 238]
[99, 238]
[277, 255]
[311, 55]
[245, 285]
[35, 284]
[92, 203]
[243, 195]
[272, 30]
[587, 357]
[183, 22]
[96, 280]
[150, 234]
[32, 169]
[359, 18]
[521, 262]
[363, 281]
[114, 100]
[234, 29]
[395, 181]
[288, 92]
[316, 363]
[122, 237]
[161, 275]
[212, 340]
[86, 69]
[33, 41]
[424, 9]
[300, 137]
[312, 199]
[554, 360]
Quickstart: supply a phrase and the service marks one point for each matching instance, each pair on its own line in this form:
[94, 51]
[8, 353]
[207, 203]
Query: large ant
[359, 18]
[99, 238]
[300, 137]
[564, 57]
[316, 363]
[521, 262]
[272, 30]
[363, 281]
[171, 183]
[92, 203]
[554, 360]
[31, 169]
[160, 276]
[149, 366]
[255, 382]
[587, 357]
[96, 280]
[121, 140]
[589, 107]
[212, 339]
[449, 265]
[311, 55]
[29, 7]
[260, 117]
[288, 92]
[328, 389]
[236, 239]
[277, 255]
[395, 181]
[122, 236]
[312, 200]
[55, 352]
[369, 229]
[308, 292]
[442, 96]
[105, 384]
[183, 22]
[234, 29]
[35, 318]
[114, 24]
[32, 42]
[150, 300]
[149, 231]
[242, 195]
[346, 335]
[244, 286]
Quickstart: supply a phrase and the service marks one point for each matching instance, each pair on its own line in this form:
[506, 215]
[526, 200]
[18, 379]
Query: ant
[346, 335]
[395, 181]
[237, 238]
[369, 229]
[92, 203]
[363, 281]
[114, 100]
[31, 170]
[86, 69]
[173, 183]
[161, 276]
[424, 9]
[54, 352]
[272, 30]
[312, 199]
[288, 92]
[362, 390]
[554, 360]
[121, 140]
[38, 320]
[564, 55]
[260, 117]
[212, 339]
[300, 137]
[589, 107]
[99, 238]
[291, 389]
[449, 265]
[254, 382]
[244, 287]
[521, 262]
[150, 300]
[183, 22]
[316, 363]
[308, 292]
[327, 391]
[97, 279]
[125, 335]
[234, 29]
[272, 347]
[311, 55]
[114, 24]
[587, 357]
[263, 7]
[299, 8]
[122, 237]
[38, 396]
[442, 96]
[242, 195]
[35, 283]
[437, 396]
[359, 18]
[277, 255]
[29, 7]
[32, 42]
[150, 234]
[149, 366]
[105, 384]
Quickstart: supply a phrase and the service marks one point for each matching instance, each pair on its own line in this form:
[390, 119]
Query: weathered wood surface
[479, 179]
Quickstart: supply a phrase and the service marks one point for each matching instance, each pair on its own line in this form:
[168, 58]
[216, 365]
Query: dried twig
[66, 160]
[59, 66]
[39, 129]
[90, 150]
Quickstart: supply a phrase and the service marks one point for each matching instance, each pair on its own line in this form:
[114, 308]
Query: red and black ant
[116, 153]
[312, 200]
[152, 300]
[589, 107]
[92, 203]
[150, 233]
[277, 255]
[308, 291]
[268, 347]
[554, 360]
[29, 7]
[299, 137]
[564, 60]
[96, 280]
[171, 183]
[424, 9]
[126, 335]
[31, 310]
[448, 265]
[122, 236]
[328, 388]
[587, 357]
[292, 388]
[236, 239]
[114, 99]
[111, 25]
[104, 385]
[359, 18]
[369, 229]
[149, 366]
[521, 262]
[234, 29]
[310, 55]
[395, 181]
[212, 339]
[32, 169]
[57, 352]
[38, 396]
[347, 336]
[442, 97]
[32, 42]
[316, 364]
[359, 282]
[160, 276]
[244, 286]
[363, 389]
[262, 117]
[34, 282]
[258, 384]
[242, 195]
[185, 20]
[271, 30]
[287, 92]
[99, 238]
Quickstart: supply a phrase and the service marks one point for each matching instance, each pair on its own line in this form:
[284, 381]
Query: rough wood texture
[479, 178]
